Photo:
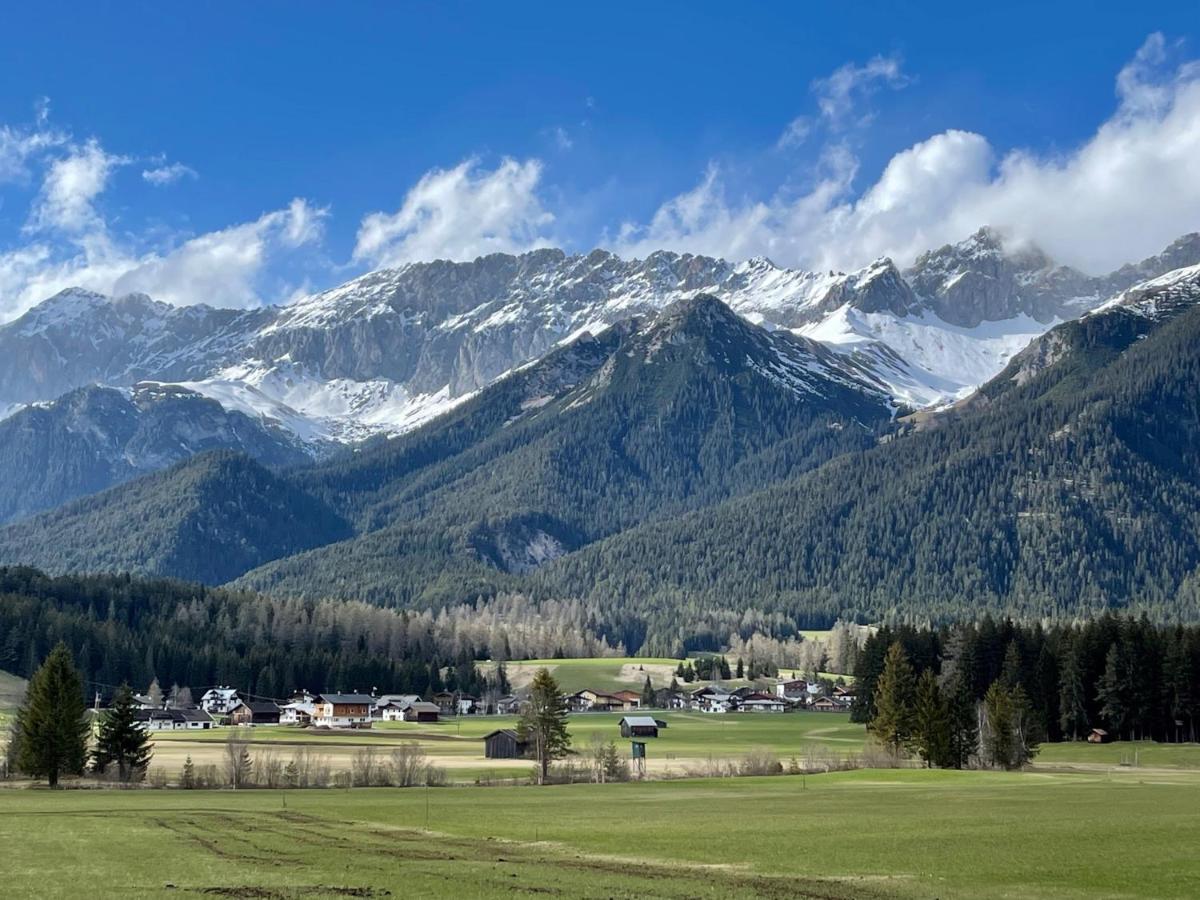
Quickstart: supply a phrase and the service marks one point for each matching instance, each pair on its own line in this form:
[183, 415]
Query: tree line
[991, 692]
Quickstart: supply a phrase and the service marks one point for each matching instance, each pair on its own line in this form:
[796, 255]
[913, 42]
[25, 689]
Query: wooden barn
[639, 726]
[504, 744]
[1099, 736]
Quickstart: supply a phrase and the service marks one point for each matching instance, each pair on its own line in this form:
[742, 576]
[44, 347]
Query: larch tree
[543, 723]
[52, 729]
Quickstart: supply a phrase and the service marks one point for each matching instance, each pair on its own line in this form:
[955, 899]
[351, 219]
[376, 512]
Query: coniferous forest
[1126, 676]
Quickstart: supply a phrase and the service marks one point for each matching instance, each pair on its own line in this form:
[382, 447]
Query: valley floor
[846, 835]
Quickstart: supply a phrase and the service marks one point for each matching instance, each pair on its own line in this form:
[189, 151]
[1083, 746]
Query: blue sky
[239, 153]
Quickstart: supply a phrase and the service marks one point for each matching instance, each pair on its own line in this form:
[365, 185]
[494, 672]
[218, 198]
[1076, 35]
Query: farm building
[173, 719]
[1099, 736]
[420, 711]
[254, 712]
[504, 744]
[639, 726]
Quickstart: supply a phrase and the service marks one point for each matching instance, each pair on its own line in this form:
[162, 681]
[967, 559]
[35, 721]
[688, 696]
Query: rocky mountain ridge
[389, 350]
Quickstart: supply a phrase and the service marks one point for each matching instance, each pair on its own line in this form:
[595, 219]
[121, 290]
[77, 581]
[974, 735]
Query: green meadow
[882, 833]
[689, 740]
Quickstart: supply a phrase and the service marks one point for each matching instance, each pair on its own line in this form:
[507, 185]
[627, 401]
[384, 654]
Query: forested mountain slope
[207, 519]
[1071, 484]
[93, 438]
[684, 411]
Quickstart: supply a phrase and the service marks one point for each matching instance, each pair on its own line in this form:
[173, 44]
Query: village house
[826, 704]
[173, 719]
[639, 726]
[792, 689]
[761, 702]
[390, 707]
[466, 705]
[714, 700]
[508, 705]
[296, 712]
[589, 700]
[504, 743]
[254, 712]
[219, 701]
[343, 710]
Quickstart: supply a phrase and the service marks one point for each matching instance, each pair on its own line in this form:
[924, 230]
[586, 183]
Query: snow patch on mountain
[920, 359]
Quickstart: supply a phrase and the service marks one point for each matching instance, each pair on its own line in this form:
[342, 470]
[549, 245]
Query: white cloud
[70, 188]
[562, 140]
[796, 133]
[1123, 194]
[839, 94]
[160, 176]
[459, 214]
[222, 268]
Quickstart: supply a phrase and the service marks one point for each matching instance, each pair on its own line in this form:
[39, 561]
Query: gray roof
[347, 698]
[640, 721]
[422, 706]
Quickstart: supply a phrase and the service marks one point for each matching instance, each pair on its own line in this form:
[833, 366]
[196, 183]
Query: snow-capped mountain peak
[386, 351]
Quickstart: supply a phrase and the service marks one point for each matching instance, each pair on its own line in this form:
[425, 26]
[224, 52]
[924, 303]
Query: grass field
[858, 834]
[689, 740]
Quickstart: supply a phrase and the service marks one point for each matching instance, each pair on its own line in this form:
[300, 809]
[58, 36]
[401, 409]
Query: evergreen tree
[1072, 701]
[543, 723]
[931, 722]
[726, 672]
[962, 721]
[1177, 687]
[121, 740]
[187, 776]
[741, 668]
[647, 693]
[51, 725]
[894, 701]
[1116, 690]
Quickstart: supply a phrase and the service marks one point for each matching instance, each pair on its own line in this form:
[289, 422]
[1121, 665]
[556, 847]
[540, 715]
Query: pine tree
[894, 699]
[51, 725]
[647, 694]
[121, 740]
[543, 723]
[931, 722]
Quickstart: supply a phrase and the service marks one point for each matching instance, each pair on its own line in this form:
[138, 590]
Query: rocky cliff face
[387, 351]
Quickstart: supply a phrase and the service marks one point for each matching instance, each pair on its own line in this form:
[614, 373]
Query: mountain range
[679, 442]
